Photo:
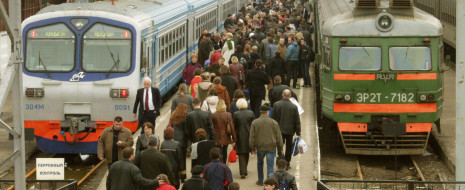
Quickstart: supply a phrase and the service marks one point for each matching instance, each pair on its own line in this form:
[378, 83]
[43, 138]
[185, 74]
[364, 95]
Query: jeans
[306, 68]
[269, 163]
[287, 139]
[292, 73]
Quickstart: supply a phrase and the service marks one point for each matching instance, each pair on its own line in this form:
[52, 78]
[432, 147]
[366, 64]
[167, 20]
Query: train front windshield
[50, 48]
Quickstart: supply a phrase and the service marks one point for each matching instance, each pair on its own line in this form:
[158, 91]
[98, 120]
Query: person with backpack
[286, 181]
[195, 82]
[217, 174]
[204, 86]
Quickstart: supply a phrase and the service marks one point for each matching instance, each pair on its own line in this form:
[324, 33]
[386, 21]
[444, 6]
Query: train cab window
[360, 58]
[410, 58]
[50, 49]
[107, 49]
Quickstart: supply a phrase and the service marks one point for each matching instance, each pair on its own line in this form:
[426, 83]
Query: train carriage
[380, 73]
[85, 61]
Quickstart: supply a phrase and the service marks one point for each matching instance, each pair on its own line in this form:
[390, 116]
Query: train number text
[122, 107]
[35, 107]
[369, 97]
[391, 98]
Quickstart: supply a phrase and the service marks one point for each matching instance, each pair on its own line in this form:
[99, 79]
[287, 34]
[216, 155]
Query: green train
[380, 74]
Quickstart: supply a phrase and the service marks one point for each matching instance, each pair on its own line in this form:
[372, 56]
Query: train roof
[342, 18]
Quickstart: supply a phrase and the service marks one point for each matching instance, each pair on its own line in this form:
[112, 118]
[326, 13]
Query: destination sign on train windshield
[101, 31]
[51, 31]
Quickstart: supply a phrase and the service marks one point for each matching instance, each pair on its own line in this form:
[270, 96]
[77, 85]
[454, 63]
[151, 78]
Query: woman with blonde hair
[224, 128]
[237, 71]
[182, 97]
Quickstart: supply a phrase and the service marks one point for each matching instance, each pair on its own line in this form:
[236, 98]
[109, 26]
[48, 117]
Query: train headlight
[35, 92]
[422, 97]
[431, 97]
[119, 93]
[347, 97]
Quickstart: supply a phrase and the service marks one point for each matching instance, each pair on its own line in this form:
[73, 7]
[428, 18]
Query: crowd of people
[223, 102]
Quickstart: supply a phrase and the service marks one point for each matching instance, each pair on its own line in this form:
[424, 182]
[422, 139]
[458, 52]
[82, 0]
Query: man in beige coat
[113, 141]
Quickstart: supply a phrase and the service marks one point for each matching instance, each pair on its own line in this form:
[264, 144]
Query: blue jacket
[292, 52]
[217, 173]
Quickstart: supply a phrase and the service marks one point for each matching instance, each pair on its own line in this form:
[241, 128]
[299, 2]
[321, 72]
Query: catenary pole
[460, 90]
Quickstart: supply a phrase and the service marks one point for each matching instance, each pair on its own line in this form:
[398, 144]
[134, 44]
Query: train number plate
[380, 97]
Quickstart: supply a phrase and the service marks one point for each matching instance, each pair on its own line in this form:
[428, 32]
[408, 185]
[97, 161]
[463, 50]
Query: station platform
[305, 167]
[444, 142]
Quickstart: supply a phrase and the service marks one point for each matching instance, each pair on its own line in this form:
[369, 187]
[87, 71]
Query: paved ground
[304, 167]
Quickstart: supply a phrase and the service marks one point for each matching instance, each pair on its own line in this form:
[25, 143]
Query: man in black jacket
[287, 115]
[228, 80]
[256, 80]
[148, 99]
[197, 119]
[153, 163]
[125, 175]
[276, 92]
[306, 55]
[196, 182]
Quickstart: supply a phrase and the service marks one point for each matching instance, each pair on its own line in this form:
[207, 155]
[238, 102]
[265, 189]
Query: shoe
[242, 176]
[259, 183]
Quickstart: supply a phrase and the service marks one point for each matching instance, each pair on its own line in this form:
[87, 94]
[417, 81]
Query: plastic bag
[295, 146]
[232, 158]
[303, 147]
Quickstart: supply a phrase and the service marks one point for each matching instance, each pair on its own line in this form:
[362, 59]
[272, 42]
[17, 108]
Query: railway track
[82, 178]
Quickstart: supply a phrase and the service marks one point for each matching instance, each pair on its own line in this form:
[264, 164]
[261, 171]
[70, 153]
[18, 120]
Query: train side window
[327, 61]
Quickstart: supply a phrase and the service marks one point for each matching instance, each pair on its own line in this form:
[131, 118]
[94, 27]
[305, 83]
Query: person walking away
[141, 143]
[196, 182]
[172, 149]
[217, 174]
[181, 132]
[265, 138]
[276, 92]
[199, 119]
[221, 90]
[292, 58]
[123, 174]
[224, 129]
[242, 122]
[148, 100]
[167, 185]
[270, 50]
[182, 97]
[228, 81]
[204, 86]
[285, 179]
[215, 58]
[305, 57]
[277, 66]
[188, 72]
[237, 71]
[152, 163]
[228, 48]
[195, 82]
[210, 103]
[271, 184]
[113, 141]
[201, 149]
[287, 115]
[238, 94]
[256, 80]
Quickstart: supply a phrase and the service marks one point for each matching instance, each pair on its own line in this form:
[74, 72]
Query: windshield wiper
[43, 65]
[115, 63]
[406, 53]
[364, 49]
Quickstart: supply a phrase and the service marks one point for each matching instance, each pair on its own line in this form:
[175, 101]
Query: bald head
[287, 94]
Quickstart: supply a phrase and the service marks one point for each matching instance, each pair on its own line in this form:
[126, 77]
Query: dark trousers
[224, 152]
[306, 69]
[292, 68]
[287, 139]
[255, 103]
[183, 152]
[147, 116]
[243, 163]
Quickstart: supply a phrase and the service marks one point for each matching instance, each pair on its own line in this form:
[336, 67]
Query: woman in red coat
[166, 185]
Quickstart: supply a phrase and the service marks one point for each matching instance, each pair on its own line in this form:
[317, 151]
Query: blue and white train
[83, 62]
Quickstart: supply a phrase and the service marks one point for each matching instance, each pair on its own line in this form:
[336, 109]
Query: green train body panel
[385, 89]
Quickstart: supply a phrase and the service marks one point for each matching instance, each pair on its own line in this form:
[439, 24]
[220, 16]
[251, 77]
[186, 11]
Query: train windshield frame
[410, 58]
[50, 48]
[107, 48]
[360, 58]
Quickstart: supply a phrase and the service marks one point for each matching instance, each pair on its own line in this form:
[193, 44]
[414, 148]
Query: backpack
[282, 184]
